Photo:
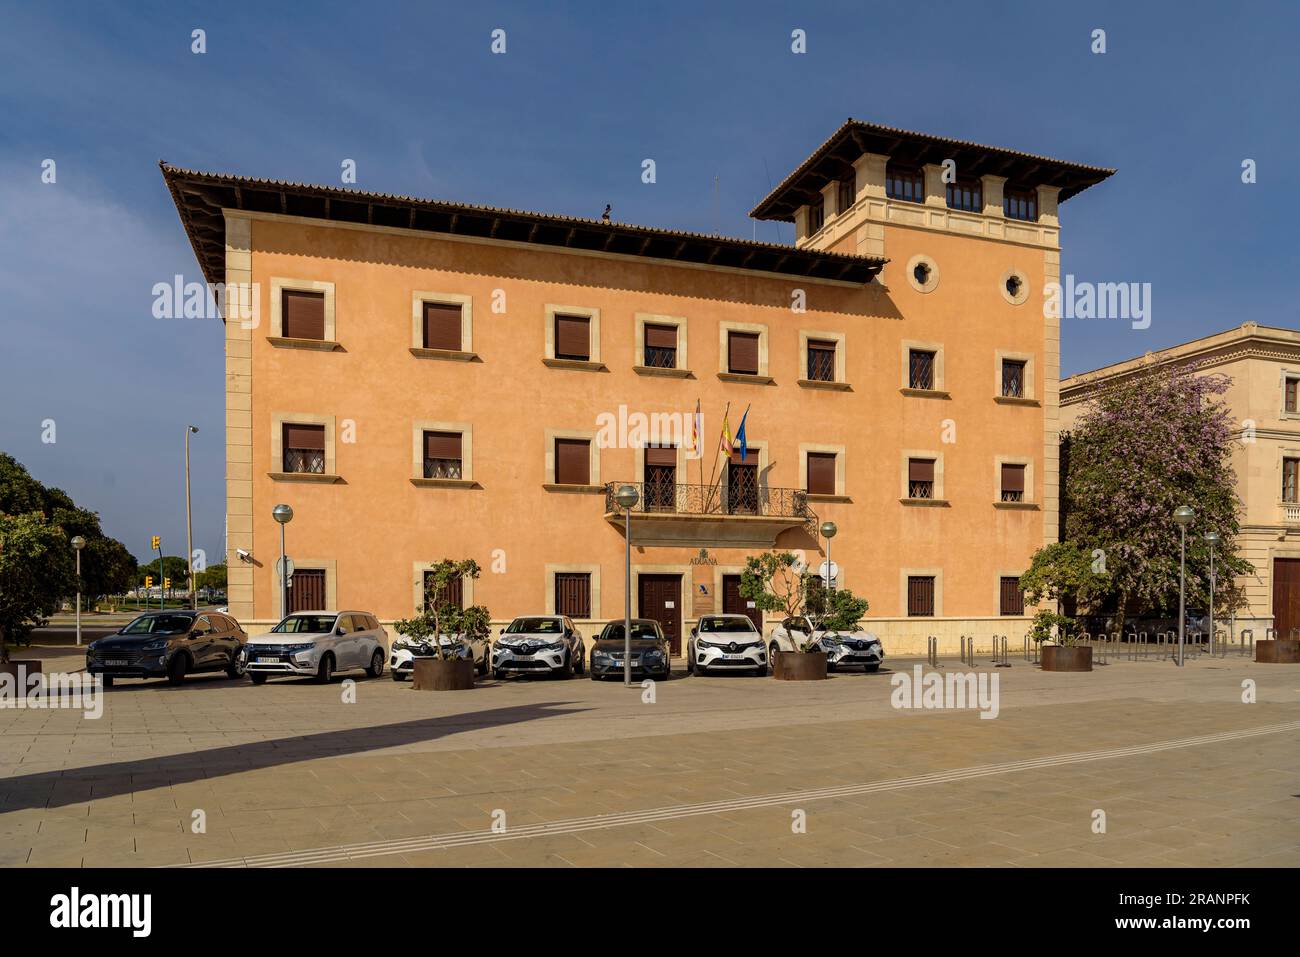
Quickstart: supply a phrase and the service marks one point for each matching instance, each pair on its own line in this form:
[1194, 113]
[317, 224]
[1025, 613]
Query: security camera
[243, 555]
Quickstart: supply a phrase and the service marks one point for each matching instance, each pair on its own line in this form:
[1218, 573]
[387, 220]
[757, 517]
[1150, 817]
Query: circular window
[1014, 287]
[922, 273]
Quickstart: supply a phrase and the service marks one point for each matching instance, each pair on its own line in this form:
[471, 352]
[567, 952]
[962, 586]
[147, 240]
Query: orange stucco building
[423, 379]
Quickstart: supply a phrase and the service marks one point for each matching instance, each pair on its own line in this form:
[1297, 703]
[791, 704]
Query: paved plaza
[719, 771]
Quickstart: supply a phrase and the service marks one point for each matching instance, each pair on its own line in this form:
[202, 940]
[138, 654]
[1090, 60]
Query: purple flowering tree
[1145, 445]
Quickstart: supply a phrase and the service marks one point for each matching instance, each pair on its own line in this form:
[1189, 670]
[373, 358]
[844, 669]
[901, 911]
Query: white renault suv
[725, 643]
[843, 647]
[401, 661]
[539, 644]
[318, 643]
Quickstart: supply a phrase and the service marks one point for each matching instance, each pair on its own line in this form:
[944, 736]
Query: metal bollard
[1002, 661]
[1242, 649]
[1132, 646]
[932, 651]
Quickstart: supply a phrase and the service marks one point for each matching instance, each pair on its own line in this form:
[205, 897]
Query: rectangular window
[442, 455]
[1020, 204]
[442, 326]
[816, 215]
[1013, 483]
[847, 193]
[742, 486]
[302, 314]
[573, 594]
[572, 337]
[453, 593]
[821, 360]
[1291, 480]
[821, 473]
[920, 478]
[572, 462]
[920, 596]
[904, 183]
[920, 369]
[1013, 378]
[660, 479]
[1292, 402]
[1012, 598]
[742, 353]
[967, 195]
[304, 448]
[660, 346]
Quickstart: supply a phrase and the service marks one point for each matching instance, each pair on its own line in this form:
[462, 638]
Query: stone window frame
[904, 574]
[282, 284]
[418, 298]
[593, 461]
[328, 565]
[841, 470]
[593, 361]
[592, 569]
[417, 586]
[278, 421]
[640, 321]
[905, 456]
[466, 430]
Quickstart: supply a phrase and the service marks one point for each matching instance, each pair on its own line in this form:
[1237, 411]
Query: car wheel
[580, 666]
[484, 669]
[760, 671]
[258, 677]
[108, 681]
[690, 662]
[397, 675]
[236, 668]
[565, 671]
[177, 668]
[325, 670]
[700, 671]
[830, 666]
[376, 664]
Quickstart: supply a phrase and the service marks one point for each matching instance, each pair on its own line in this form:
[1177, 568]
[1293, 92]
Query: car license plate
[734, 657]
[116, 663]
[268, 658]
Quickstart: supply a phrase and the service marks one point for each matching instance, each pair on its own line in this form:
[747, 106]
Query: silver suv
[318, 643]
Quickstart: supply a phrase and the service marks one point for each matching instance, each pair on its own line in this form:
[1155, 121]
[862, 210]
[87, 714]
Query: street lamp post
[1212, 538]
[189, 528]
[284, 515]
[78, 543]
[1183, 515]
[627, 496]
[828, 531]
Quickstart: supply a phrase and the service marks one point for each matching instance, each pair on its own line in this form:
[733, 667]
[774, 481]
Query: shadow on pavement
[50, 789]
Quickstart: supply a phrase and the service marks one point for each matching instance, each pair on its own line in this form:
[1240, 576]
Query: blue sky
[561, 123]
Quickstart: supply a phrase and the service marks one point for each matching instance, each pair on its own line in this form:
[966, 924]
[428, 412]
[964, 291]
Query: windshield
[640, 629]
[726, 624]
[159, 625]
[305, 624]
[535, 626]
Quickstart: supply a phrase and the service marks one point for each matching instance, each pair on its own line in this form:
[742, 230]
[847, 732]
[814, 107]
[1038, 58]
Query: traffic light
[148, 581]
[167, 583]
[155, 543]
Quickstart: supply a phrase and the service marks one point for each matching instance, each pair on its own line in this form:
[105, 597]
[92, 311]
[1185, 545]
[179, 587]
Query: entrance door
[661, 599]
[1286, 595]
[734, 604]
[307, 590]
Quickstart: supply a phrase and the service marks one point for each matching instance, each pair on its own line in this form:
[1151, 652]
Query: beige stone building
[427, 379]
[1263, 363]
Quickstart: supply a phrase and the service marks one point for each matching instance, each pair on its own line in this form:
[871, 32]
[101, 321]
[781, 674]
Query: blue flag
[740, 437]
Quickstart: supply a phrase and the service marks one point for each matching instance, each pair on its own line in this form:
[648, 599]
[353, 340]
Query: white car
[725, 643]
[856, 647]
[318, 643]
[401, 659]
[539, 644]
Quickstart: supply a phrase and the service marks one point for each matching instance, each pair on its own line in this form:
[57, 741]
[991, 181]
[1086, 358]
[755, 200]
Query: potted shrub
[1058, 645]
[774, 581]
[35, 573]
[439, 666]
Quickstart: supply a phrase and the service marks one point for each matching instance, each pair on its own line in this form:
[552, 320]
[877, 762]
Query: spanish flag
[725, 448]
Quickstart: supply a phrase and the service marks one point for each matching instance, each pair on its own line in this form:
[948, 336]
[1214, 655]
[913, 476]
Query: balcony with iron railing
[668, 513]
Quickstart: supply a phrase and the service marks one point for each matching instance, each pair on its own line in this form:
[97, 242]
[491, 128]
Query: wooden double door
[733, 603]
[660, 598]
[1286, 595]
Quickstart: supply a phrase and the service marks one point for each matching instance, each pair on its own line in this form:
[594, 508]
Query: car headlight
[154, 646]
[555, 646]
[654, 654]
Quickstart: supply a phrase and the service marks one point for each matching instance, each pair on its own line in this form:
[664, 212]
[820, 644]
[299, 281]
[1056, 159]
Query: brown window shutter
[1290, 480]
[920, 470]
[573, 594]
[742, 352]
[1013, 478]
[572, 462]
[452, 594]
[572, 337]
[821, 473]
[1292, 399]
[661, 337]
[821, 360]
[442, 323]
[304, 437]
[1013, 599]
[661, 456]
[920, 596]
[442, 445]
[302, 315]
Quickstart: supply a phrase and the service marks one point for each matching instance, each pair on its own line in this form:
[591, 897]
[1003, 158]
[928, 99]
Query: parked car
[651, 654]
[725, 643]
[855, 647]
[401, 659]
[318, 643]
[539, 644]
[169, 644]
[1197, 622]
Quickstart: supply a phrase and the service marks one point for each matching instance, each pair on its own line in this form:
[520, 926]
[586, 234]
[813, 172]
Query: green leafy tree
[1143, 446]
[835, 609]
[440, 616]
[1063, 572]
[36, 571]
[213, 577]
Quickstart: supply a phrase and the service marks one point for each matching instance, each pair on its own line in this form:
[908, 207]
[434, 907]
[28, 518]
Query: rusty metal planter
[1278, 651]
[799, 666]
[435, 674]
[1066, 658]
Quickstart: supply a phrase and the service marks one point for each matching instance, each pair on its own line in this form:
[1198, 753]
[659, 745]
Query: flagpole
[717, 446]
